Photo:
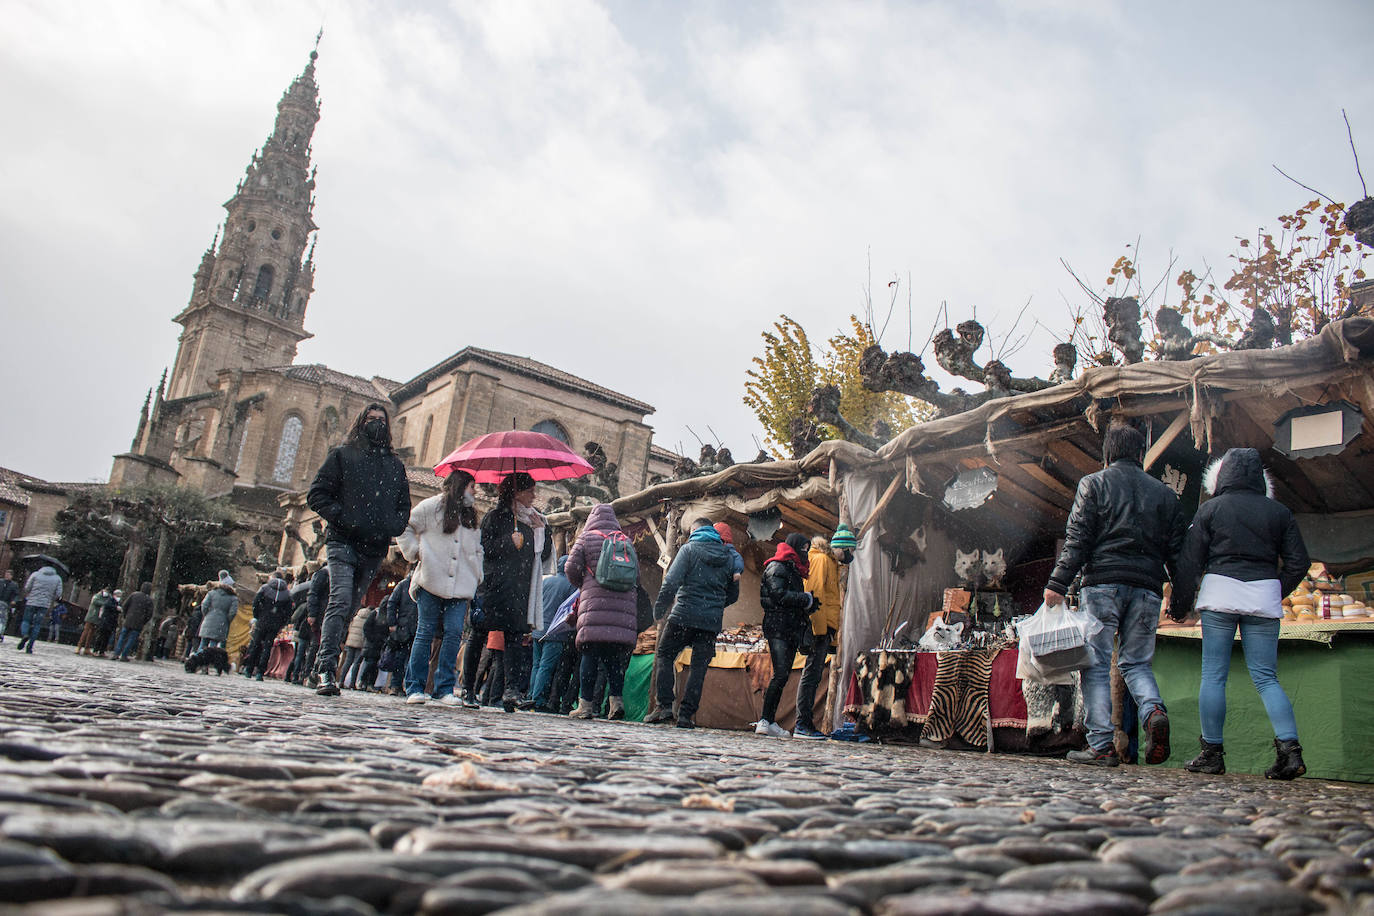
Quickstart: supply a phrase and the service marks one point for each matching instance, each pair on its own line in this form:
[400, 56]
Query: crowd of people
[476, 621]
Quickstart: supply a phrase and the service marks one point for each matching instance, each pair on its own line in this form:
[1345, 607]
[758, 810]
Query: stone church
[238, 417]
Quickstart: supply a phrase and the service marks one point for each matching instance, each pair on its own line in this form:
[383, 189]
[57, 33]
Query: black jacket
[138, 610]
[364, 496]
[375, 633]
[273, 601]
[787, 606]
[508, 571]
[402, 613]
[1240, 533]
[318, 599]
[1125, 528]
[9, 591]
[699, 586]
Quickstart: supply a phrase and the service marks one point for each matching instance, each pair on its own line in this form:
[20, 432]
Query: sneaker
[327, 688]
[659, 716]
[1155, 744]
[416, 699]
[468, 700]
[771, 729]
[1094, 758]
[802, 731]
[448, 699]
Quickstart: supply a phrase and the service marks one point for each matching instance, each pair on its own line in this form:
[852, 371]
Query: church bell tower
[248, 298]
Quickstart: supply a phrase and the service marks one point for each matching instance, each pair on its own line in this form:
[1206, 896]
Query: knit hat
[844, 538]
[723, 529]
[226, 580]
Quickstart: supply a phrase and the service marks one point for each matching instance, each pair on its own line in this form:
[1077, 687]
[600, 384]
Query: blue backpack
[617, 568]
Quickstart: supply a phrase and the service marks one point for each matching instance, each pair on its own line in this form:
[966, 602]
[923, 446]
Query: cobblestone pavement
[139, 788]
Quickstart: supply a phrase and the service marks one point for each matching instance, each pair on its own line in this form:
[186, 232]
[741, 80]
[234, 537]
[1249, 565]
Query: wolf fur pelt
[885, 681]
[210, 657]
[1054, 713]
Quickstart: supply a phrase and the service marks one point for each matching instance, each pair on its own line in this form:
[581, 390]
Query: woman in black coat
[787, 608]
[514, 542]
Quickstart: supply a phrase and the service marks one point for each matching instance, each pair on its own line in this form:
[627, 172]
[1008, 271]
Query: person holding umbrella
[515, 545]
[362, 494]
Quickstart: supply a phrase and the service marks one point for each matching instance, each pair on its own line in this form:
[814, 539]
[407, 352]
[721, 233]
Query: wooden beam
[1023, 495]
[1166, 439]
[1072, 455]
[883, 503]
[1043, 477]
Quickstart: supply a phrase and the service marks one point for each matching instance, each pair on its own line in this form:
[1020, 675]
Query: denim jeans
[4, 618]
[1130, 614]
[353, 659]
[546, 655]
[1259, 640]
[208, 643]
[810, 680]
[127, 642]
[672, 641]
[350, 575]
[783, 653]
[434, 610]
[614, 657]
[33, 622]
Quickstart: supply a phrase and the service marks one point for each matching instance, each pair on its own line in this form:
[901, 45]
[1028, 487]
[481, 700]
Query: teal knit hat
[844, 539]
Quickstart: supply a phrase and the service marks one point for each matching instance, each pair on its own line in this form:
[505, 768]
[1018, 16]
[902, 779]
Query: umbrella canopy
[42, 559]
[492, 457]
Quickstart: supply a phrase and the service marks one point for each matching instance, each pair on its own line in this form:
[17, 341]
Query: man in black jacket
[272, 607]
[1124, 531]
[699, 586]
[362, 494]
[9, 593]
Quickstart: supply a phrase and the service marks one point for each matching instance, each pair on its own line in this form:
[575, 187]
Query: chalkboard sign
[970, 489]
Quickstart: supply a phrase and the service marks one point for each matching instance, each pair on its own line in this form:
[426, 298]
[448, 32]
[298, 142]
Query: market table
[732, 696]
[1327, 669]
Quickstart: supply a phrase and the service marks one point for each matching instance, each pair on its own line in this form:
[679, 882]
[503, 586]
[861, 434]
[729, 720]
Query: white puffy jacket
[450, 564]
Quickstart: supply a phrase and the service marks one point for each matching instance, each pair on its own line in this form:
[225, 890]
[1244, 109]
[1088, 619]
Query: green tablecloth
[1331, 684]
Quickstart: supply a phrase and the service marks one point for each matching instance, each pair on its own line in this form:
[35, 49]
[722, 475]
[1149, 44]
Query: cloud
[631, 192]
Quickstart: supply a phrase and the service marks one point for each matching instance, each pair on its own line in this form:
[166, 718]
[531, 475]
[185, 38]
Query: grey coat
[218, 609]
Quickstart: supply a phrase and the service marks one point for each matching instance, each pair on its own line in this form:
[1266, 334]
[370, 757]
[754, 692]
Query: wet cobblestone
[139, 788]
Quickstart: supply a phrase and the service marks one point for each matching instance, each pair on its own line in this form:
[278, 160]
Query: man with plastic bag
[1124, 530]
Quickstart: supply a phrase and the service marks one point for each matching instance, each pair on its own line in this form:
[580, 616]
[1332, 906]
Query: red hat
[723, 529]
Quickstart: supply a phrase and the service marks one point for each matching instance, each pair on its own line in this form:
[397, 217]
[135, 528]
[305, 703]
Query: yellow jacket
[823, 580]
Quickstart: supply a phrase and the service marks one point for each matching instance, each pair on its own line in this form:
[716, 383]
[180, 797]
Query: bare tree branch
[1301, 185]
[1081, 285]
[1355, 152]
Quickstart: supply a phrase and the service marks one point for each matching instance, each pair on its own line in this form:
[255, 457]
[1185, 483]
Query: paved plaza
[137, 788]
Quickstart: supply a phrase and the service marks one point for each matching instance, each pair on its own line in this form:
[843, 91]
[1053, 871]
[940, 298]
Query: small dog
[211, 657]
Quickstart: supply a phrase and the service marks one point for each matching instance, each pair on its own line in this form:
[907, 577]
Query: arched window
[286, 452]
[331, 427]
[263, 288]
[552, 428]
[243, 437]
[424, 441]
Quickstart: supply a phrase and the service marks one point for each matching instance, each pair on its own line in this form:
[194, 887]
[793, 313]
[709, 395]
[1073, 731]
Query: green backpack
[617, 568]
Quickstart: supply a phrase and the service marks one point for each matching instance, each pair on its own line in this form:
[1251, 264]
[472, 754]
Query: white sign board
[1318, 430]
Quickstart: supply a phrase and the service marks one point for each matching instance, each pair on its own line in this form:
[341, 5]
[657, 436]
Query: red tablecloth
[1006, 703]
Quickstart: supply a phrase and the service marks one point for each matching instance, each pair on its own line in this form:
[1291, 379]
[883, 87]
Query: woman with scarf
[443, 541]
[787, 609]
[515, 545]
[606, 618]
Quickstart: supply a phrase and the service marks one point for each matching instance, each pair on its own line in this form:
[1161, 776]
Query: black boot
[1287, 762]
[1209, 761]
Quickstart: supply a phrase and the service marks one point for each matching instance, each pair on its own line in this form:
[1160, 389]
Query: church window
[243, 437]
[552, 428]
[424, 442]
[263, 288]
[286, 452]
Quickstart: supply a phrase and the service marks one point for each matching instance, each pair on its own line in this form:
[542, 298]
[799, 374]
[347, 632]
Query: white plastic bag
[1054, 643]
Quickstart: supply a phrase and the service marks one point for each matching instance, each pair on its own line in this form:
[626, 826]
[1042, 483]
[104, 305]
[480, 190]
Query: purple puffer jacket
[603, 616]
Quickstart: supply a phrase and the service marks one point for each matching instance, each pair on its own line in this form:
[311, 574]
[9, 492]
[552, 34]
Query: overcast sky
[634, 191]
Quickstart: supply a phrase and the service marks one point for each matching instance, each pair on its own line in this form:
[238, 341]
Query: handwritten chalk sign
[970, 489]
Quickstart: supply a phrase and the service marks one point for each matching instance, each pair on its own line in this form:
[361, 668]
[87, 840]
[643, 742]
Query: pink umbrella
[491, 457]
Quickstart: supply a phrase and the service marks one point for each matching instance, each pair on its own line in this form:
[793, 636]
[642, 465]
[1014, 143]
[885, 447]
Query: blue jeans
[127, 642]
[32, 624]
[1131, 615]
[451, 612]
[546, 655]
[350, 576]
[1259, 640]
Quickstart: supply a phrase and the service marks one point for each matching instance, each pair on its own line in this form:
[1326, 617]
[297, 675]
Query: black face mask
[375, 430]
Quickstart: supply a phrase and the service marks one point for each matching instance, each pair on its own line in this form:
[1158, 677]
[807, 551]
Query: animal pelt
[207, 658]
[1209, 478]
[885, 681]
[1052, 711]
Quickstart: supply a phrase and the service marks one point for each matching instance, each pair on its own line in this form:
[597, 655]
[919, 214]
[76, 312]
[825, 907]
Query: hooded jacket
[700, 583]
[97, 603]
[556, 590]
[823, 581]
[450, 562]
[138, 610]
[363, 495]
[603, 615]
[9, 591]
[273, 602]
[782, 593]
[220, 607]
[508, 571]
[1125, 528]
[1241, 532]
[402, 613]
[43, 588]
